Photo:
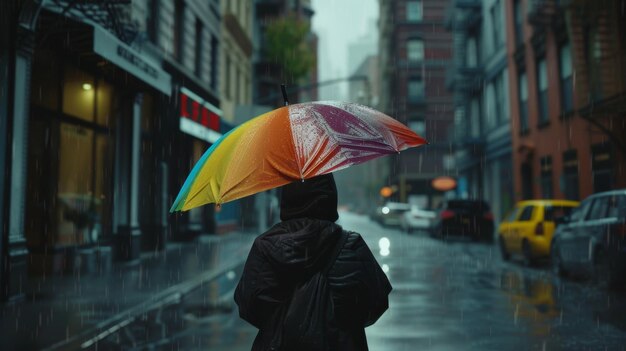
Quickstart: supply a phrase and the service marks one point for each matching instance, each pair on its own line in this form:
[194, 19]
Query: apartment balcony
[464, 15]
[464, 79]
[463, 138]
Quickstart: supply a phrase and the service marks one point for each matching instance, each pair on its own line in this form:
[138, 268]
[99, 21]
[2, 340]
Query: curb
[171, 295]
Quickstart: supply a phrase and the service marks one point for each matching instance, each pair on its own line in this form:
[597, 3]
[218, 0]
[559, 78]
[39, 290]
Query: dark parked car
[468, 218]
[592, 240]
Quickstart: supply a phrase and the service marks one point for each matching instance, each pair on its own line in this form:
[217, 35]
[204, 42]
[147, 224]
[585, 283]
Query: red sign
[199, 117]
[199, 112]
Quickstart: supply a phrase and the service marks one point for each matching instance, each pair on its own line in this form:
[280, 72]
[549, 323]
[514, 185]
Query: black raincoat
[297, 251]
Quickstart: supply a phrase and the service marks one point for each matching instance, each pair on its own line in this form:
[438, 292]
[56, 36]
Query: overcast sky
[339, 23]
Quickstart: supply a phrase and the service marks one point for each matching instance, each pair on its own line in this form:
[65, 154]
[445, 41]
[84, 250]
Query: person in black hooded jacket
[294, 250]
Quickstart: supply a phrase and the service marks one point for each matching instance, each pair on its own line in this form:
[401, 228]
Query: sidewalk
[63, 311]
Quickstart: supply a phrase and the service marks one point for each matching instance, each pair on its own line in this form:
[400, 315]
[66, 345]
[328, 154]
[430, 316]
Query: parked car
[391, 213]
[469, 218]
[592, 240]
[527, 230]
[417, 219]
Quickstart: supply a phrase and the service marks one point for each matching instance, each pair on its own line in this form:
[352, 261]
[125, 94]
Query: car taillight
[539, 229]
[447, 214]
[488, 216]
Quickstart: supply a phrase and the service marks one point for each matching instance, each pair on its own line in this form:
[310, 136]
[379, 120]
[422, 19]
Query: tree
[287, 45]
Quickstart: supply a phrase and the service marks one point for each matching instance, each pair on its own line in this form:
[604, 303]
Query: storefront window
[77, 210]
[102, 185]
[104, 113]
[78, 94]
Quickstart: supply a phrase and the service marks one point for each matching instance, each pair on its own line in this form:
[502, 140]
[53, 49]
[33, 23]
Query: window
[415, 50]
[475, 118]
[594, 61]
[179, 27]
[551, 213]
[79, 91]
[416, 90]
[601, 167]
[542, 91]
[599, 208]
[237, 85]
[152, 22]
[526, 214]
[527, 180]
[519, 22]
[418, 126]
[547, 190]
[496, 24]
[471, 57]
[523, 102]
[500, 97]
[565, 73]
[199, 47]
[578, 212]
[617, 205]
[414, 11]
[570, 175]
[490, 105]
[214, 63]
[227, 81]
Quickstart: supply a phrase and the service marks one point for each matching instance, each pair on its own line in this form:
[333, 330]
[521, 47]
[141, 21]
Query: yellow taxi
[527, 230]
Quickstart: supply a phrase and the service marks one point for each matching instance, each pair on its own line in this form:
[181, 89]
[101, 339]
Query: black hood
[298, 245]
[311, 198]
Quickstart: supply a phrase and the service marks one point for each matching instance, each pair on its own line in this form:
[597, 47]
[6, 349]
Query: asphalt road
[452, 295]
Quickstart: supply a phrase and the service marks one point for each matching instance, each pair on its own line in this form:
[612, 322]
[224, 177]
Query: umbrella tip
[283, 88]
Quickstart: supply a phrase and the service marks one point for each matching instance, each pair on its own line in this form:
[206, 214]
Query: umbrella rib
[294, 141]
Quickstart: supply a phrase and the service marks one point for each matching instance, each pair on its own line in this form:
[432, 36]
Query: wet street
[447, 296]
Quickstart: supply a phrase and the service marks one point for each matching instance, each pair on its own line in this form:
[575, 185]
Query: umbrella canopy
[294, 142]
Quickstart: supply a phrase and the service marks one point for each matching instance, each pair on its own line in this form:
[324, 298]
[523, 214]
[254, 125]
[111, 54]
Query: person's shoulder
[353, 239]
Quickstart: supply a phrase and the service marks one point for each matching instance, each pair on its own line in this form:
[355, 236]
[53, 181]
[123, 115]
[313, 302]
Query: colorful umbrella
[294, 142]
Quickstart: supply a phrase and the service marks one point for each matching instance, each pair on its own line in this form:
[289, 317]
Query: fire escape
[597, 57]
[464, 78]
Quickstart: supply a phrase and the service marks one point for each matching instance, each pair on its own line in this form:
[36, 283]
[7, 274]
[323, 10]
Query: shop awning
[81, 36]
[139, 65]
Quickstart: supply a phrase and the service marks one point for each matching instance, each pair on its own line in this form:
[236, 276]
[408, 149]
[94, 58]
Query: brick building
[567, 78]
[415, 49]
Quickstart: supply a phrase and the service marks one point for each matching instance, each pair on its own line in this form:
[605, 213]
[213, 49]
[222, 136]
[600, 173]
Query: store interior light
[87, 86]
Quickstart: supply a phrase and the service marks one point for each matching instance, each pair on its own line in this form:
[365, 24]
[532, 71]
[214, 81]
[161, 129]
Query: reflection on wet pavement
[204, 318]
[454, 295]
[458, 295]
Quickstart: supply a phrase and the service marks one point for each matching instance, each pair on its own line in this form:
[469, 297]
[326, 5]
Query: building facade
[415, 49]
[236, 84]
[268, 74]
[567, 84]
[110, 105]
[479, 80]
